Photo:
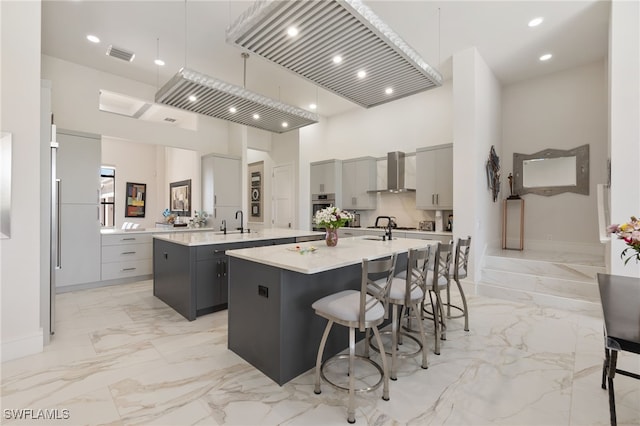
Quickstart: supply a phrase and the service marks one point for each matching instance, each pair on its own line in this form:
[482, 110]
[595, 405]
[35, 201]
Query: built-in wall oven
[319, 202]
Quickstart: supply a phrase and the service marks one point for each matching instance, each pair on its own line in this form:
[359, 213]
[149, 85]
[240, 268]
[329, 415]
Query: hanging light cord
[245, 56]
[157, 66]
[439, 30]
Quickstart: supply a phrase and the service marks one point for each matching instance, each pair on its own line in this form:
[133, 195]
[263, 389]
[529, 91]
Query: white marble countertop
[349, 251]
[208, 238]
[405, 231]
[162, 230]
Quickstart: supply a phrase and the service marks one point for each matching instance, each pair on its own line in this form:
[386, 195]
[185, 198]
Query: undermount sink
[373, 238]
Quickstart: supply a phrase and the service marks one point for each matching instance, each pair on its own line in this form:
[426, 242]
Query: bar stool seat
[407, 294]
[356, 310]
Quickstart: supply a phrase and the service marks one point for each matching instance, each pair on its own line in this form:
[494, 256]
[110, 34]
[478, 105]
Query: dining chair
[361, 311]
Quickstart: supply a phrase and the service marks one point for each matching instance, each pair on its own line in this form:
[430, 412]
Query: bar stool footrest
[400, 355]
[357, 358]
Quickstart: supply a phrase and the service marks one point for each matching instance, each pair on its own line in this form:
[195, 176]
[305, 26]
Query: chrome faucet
[223, 227]
[241, 220]
[387, 232]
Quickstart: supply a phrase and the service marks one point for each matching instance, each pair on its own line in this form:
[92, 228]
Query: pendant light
[340, 45]
[194, 91]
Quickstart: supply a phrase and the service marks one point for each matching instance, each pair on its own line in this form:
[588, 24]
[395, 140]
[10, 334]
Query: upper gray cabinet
[221, 189]
[434, 177]
[326, 177]
[358, 177]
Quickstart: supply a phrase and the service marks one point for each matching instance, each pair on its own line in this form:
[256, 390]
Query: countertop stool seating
[408, 290]
[437, 279]
[357, 310]
[460, 264]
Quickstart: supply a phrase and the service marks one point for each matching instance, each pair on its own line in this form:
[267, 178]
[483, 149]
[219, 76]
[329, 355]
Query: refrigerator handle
[58, 242]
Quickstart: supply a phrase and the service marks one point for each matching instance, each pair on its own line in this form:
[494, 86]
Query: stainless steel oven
[319, 202]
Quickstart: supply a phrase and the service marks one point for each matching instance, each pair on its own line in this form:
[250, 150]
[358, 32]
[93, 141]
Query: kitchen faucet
[223, 227]
[241, 220]
[387, 233]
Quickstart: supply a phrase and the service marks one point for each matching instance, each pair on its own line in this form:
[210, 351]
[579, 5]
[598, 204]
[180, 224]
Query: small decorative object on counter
[512, 196]
[630, 233]
[332, 218]
[199, 220]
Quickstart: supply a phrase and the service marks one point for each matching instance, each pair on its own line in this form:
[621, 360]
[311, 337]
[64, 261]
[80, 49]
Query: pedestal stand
[513, 213]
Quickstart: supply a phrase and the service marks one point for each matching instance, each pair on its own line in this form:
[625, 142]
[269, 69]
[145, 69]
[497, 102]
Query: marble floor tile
[122, 357]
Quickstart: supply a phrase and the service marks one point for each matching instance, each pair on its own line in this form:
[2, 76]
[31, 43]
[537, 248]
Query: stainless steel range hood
[395, 173]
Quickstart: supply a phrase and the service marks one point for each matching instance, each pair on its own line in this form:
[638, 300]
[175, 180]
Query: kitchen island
[271, 289]
[190, 269]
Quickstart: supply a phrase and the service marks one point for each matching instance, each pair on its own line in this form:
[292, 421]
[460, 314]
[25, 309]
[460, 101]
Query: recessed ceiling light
[292, 31]
[337, 59]
[256, 116]
[93, 39]
[313, 106]
[193, 98]
[546, 57]
[159, 62]
[536, 21]
[285, 124]
[362, 74]
[233, 110]
[388, 90]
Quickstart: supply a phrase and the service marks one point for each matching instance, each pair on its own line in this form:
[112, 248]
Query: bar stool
[460, 264]
[438, 279]
[408, 289]
[357, 310]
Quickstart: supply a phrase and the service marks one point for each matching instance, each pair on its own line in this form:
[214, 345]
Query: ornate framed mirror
[552, 172]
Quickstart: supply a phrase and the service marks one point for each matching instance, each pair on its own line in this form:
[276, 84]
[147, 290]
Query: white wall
[421, 120]
[75, 91]
[562, 111]
[20, 330]
[183, 164]
[477, 126]
[624, 113]
[136, 163]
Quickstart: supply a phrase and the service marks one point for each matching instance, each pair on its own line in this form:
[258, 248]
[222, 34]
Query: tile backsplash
[403, 207]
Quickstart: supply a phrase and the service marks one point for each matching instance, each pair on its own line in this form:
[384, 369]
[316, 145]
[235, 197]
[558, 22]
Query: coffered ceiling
[192, 33]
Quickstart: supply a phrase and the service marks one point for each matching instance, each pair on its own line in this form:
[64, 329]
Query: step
[569, 269]
[583, 289]
[540, 299]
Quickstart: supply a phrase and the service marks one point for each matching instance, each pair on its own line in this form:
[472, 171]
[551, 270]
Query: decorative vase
[332, 237]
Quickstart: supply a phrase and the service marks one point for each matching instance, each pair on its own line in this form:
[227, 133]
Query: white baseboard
[21, 346]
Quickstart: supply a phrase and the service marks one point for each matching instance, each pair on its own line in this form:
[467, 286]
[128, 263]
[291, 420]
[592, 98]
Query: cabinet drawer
[126, 252]
[115, 270]
[115, 239]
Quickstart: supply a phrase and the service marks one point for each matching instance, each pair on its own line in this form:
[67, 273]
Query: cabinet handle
[128, 269]
[127, 239]
[218, 269]
[322, 187]
[224, 268]
[215, 212]
[354, 201]
[437, 198]
[128, 252]
[215, 200]
[218, 251]
[433, 201]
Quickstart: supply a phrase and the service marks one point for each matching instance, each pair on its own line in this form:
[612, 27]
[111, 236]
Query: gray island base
[190, 271]
[271, 289]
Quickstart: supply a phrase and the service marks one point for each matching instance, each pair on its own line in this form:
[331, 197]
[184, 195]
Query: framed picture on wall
[136, 196]
[180, 197]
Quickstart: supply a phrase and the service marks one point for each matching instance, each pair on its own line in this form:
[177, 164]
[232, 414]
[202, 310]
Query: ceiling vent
[170, 120]
[120, 53]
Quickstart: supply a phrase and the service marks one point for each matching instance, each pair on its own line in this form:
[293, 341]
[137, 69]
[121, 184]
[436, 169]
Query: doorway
[282, 196]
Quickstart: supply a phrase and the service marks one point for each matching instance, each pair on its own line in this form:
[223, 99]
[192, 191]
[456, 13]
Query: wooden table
[620, 297]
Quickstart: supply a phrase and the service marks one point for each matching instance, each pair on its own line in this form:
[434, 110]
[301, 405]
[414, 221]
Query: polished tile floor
[121, 356]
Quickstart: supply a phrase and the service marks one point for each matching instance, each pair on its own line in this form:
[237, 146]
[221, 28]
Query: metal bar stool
[460, 265]
[357, 310]
[408, 290]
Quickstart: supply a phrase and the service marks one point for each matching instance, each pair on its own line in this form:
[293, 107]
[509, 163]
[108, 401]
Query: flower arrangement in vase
[332, 218]
[630, 233]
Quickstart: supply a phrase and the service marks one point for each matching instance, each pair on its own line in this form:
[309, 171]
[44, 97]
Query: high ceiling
[193, 33]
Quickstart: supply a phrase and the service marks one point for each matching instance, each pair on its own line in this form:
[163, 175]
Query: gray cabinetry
[78, 173]
[221, 188]
[126, 256]
[326, 177]
[194, 280]
[434, 178]
[358, 177]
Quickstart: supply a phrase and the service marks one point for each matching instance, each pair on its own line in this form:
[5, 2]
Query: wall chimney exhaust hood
[395, 174]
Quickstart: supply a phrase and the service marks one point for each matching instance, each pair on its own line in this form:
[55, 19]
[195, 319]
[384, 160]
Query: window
[107, 196]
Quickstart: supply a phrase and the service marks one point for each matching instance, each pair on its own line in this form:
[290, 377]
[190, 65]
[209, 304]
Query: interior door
[282, 196]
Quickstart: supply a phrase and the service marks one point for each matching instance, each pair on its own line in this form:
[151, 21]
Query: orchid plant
[630, 233]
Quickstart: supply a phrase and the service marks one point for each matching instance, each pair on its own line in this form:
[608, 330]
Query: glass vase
[331, 237]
